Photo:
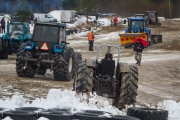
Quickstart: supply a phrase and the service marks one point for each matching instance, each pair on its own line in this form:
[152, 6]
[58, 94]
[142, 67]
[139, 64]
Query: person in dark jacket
[3, 24]
[138, 48]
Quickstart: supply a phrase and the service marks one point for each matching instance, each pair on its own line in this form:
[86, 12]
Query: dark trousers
[115, 24]
[3, 29]
[91, 45]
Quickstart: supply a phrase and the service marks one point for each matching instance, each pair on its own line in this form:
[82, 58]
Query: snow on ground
[161, 18]
[57, 98]
[176, 18]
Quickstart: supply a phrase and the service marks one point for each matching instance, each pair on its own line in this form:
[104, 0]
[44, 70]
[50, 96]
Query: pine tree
[23, 11]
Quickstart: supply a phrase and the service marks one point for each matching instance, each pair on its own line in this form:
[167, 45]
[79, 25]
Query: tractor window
[16, 29]
[151, 15]
[137, 24]
[62, 35]
[46, 34]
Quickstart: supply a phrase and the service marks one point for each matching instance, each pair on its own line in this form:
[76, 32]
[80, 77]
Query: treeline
[166, 8]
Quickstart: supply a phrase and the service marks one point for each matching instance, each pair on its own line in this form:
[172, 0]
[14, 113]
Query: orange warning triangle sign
[44, 46]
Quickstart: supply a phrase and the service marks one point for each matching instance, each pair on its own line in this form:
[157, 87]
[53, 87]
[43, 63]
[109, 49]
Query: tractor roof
[151, 11]
[51, 23]
[139, 14]
[19, 23]
[137, 19]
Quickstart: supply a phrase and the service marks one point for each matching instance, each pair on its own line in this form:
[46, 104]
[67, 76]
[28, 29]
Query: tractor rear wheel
[29, 71]
[84, 78]
[64, 65]
[4, 52]
[40, 71]
[128, 89]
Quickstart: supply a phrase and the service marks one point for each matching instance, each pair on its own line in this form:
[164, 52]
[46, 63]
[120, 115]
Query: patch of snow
[173, 108]
[176, 18]
[42, 118]
[57, 98]
[7, 118]
[161, 18]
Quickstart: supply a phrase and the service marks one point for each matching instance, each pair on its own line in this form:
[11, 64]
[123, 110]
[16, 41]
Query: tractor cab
[139, 15]
[18, 28]
[51, 35]
[17, 33]
[136, 25]
[152, 17]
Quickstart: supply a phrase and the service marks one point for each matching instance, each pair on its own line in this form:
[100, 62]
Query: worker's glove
[134, 52]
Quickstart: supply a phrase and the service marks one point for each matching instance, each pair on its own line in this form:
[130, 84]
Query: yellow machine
[136, 28]
[127, 39]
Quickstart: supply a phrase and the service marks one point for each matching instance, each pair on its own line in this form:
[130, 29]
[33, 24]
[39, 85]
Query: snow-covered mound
[161, 18]
[176, 18]
[57, 98]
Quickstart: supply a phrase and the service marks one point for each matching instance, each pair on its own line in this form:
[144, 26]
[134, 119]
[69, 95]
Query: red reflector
[28, 44]
[58, 47]
[44, 46]
[126, 38]
[122, 39]
[144, 36]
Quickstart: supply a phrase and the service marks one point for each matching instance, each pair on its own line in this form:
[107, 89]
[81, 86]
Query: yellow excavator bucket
[127, 39]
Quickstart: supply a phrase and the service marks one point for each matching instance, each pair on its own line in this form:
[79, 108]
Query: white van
[41, 17]
[66, 16]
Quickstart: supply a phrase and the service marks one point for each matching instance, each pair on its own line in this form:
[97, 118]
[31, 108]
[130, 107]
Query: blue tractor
[17, 33]
[47, 50]
[136, 28]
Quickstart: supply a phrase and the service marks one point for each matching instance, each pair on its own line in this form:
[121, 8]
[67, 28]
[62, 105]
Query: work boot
[137, 63]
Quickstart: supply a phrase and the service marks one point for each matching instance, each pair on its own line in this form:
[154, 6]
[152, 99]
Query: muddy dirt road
[159, 77]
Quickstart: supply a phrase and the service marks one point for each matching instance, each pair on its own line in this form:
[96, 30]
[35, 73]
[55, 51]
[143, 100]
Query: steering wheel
[136, 29]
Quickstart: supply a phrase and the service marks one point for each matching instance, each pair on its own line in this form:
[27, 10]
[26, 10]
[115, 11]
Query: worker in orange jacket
[91, 40]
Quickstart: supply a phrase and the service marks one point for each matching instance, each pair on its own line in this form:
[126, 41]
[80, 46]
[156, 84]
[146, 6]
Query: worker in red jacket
[115, 21]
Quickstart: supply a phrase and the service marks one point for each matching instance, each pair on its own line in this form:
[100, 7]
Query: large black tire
[64, 65]
[4, 51]
[128, 89]
[84, 78]
[20, 63]
[77, 59]
[20, 115]
[120, 117]
[40, 71]
[148, 113]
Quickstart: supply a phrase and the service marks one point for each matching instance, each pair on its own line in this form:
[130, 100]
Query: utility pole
[170, 8]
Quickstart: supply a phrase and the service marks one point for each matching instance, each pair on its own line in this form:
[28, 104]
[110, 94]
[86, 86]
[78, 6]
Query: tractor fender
[124, 67]
[89, 62]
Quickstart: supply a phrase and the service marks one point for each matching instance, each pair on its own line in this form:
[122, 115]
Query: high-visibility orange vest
[90, 36]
